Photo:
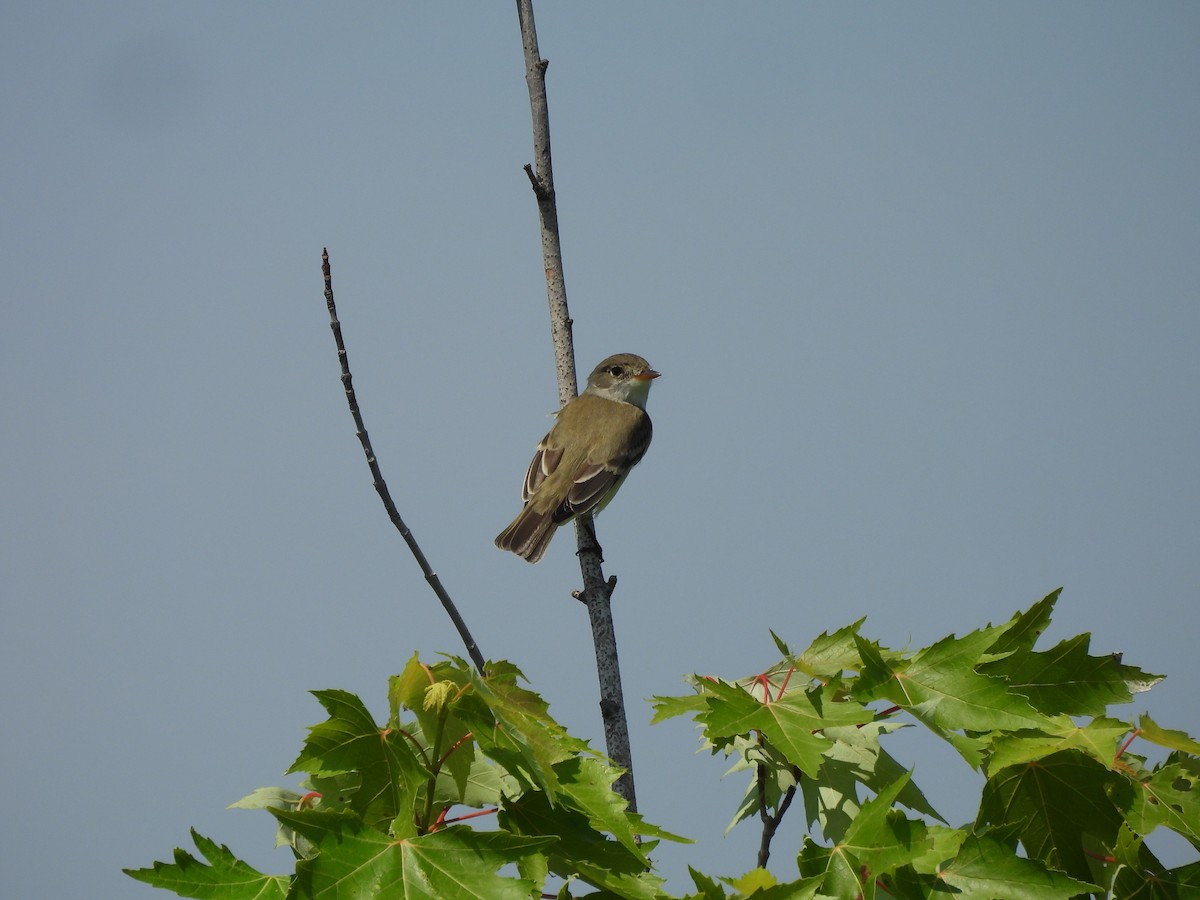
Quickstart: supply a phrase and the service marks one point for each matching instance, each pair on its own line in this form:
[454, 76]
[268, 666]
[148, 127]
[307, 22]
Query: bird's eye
[616, 371]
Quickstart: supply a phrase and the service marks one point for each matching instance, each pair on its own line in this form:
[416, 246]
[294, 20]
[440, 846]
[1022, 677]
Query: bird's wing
[592, 483]
[595, 468]
[541, 467]
[596, 480]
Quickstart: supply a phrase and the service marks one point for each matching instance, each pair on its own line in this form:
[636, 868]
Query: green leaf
[832, 654]
[944, 843]
[225, 878]
[1067, 679]
[587, 787]
[1167, 737]
[268, 798]
[1023, 630]
[881, 838]
[805, 889]
[855, 757]
[1132, 871]
[781, 645]
[755, 880]
[788, 723]
[670, 707]
[1099, 739]
[578, 849]
[390, 773]
[1187, 876]
[1170, 797]
[335, 790]
[985, 869]
[708, 887]
[456, 863]
[443, 734]
[275, 798]
[406, 690]
[1138, 884]
[835, 869]
[940, 686]
[1059, 801]
[759, 884]
[481, 786]
[513, 726]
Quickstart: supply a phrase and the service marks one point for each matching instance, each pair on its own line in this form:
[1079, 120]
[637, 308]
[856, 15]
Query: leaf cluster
[470, 789]
[1065, 808]
[386, 808]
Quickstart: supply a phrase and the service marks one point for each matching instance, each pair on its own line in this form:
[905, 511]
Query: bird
[582, 462]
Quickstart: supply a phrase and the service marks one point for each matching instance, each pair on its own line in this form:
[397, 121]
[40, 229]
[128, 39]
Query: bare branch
[596, 591]
[380, 485]
[771, 822]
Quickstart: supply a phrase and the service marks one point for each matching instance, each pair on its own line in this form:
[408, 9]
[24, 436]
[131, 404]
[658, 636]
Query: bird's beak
[648, 375]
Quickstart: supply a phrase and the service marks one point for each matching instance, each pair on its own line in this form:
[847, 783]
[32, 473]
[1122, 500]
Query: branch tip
[360, 430]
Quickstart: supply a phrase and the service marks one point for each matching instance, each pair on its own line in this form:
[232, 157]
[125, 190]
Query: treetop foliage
[470, 789]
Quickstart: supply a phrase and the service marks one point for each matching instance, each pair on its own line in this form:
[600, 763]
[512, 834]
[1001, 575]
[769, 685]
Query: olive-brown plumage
[580, 465]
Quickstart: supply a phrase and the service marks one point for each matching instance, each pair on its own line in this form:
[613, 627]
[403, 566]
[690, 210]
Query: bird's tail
[529, 534]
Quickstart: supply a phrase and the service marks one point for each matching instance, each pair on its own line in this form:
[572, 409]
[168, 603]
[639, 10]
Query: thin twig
[770, 822]
[597, 592]
[380, 485]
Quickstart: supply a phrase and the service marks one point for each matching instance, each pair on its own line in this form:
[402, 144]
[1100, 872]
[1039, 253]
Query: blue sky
[922, 281]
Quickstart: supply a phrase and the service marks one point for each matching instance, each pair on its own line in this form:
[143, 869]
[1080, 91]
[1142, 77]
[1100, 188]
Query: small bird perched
[582, 463]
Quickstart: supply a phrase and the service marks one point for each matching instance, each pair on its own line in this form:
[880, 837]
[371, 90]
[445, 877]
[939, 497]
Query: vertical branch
[542, 180]
[597, 592]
